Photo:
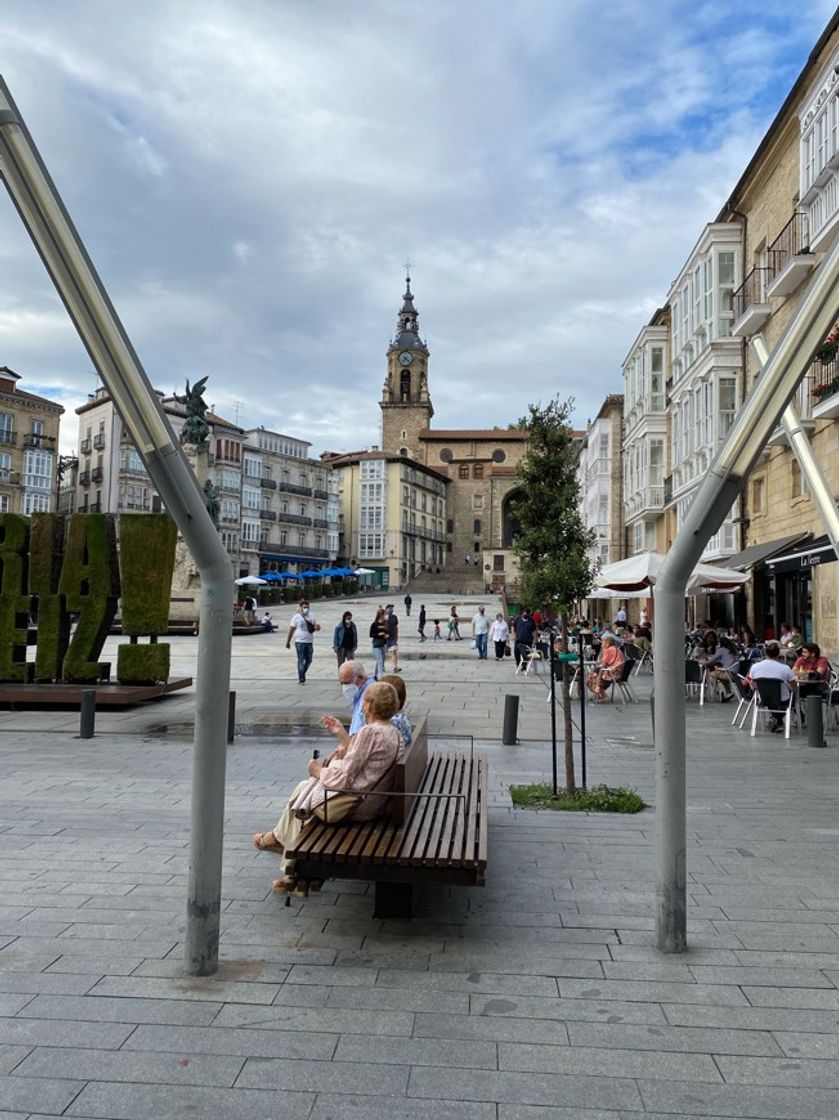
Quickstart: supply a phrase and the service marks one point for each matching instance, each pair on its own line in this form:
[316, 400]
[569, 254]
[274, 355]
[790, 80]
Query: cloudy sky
[250, 176]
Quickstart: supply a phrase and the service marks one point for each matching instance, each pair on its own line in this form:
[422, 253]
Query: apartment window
[450, 525]
[463, 470]
[37, 470]
[476, 526]
[477, 501]
[251, 497]
[657, 379]
[726, 274]
[727, 406]
[478, 470]
[797, 482]
[656, 462]
[4, 503]
[37, 427]
[36, 503]
[758, 496]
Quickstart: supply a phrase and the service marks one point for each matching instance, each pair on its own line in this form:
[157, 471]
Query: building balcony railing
[229, 519]
[85, 446]
[293, 488]
[97, 474]
[294, 519]
[824, 386]
[84, 478]
[267, 515]
[790, 257]
[322, 495]
[227, 488]
[94, 507]
[667, 490]
[9, 478]
[37, 439]
[599, 466]
[293, 549]
[268, 483]
[320, 523]
[99, 441]
[751, 304]
[645, 498]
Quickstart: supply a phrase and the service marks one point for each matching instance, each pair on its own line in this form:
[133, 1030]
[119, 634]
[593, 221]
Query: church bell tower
[405, 404]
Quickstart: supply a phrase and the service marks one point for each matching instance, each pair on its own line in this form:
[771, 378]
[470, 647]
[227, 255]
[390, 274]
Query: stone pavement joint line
[538, 997]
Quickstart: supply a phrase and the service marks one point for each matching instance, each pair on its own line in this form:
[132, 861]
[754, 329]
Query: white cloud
[249, 180]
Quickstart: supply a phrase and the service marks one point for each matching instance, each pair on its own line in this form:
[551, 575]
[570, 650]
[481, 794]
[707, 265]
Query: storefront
[792, 577]
[758, 604]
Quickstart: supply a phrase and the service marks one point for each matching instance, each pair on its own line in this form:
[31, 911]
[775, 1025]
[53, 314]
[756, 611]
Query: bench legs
[394, 900]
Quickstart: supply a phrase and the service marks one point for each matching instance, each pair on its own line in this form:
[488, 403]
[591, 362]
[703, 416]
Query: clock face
[405, 358]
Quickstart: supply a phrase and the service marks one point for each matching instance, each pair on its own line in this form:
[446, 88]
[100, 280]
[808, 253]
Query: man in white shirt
[302, 629]
[480, 632]
[620, 617]
[773, 669]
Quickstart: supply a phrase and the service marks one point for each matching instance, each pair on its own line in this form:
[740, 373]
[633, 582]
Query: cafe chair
[768, 704]
[745, 698]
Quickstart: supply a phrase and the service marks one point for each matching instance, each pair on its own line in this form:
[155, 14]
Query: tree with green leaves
[553, 545]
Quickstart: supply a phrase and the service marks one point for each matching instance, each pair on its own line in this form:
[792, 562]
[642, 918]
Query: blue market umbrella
[272, 577]
[311, 574]
[288, 575]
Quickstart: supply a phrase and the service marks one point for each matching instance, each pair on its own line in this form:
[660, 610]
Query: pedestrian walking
[407, 601]
[500, 633]
[454, 625]
[302, 631]
[480, 632]
[345, 639]
[437, 635]
[421, 623]
[393, 638]
[378, 634]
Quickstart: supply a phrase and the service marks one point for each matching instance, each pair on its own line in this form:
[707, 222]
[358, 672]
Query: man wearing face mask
[303, 629]
[354, 681]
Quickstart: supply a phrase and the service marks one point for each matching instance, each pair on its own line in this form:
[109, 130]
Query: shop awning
[808, 555]
[757, 553]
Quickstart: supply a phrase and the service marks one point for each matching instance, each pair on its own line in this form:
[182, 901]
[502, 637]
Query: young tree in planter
[553, 544]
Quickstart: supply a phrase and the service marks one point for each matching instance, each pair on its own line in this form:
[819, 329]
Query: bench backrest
[409, 772]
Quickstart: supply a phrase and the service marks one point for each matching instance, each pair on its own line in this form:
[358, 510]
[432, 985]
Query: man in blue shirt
[354, 681]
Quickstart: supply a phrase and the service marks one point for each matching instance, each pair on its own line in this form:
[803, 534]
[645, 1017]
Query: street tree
[553, 545]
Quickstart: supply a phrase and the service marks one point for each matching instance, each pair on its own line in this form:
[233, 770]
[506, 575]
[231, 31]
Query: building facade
[29, 427]
[600, 477]
[646, 438]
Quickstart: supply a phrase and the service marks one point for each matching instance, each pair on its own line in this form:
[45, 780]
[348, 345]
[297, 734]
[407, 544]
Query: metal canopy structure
[42, 212]
[766, 406]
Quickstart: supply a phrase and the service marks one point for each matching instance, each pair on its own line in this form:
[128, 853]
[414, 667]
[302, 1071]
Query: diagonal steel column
[803, 451]
[49, 226]
[755, 423]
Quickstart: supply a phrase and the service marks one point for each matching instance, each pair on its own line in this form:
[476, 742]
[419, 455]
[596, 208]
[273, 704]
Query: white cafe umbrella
[640, 572]
[251, 581]
[365, 571]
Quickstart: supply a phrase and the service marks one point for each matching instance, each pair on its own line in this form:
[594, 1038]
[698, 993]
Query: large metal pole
[803, 451]
[83, 294]
[754, 425]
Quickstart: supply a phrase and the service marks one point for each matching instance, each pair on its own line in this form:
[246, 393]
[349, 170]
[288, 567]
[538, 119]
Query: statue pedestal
[186, 581]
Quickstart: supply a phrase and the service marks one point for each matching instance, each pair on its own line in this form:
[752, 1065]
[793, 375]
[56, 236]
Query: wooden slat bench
[434, 832]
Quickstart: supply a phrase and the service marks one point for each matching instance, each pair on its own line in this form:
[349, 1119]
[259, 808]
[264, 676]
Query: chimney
[374, 447]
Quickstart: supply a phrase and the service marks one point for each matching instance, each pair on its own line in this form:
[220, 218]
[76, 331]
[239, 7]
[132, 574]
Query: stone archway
[510, 526]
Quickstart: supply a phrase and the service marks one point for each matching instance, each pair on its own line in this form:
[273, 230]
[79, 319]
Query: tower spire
[407, 321]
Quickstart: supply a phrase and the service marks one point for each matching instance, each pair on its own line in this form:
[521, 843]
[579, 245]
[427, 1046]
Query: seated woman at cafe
[724, 661]
[608, 670]
[706, 647]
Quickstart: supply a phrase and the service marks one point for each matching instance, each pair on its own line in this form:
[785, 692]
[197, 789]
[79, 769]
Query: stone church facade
[480, 464]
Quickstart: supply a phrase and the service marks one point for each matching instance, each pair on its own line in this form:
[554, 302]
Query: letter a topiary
[147, 560]
[90, 585]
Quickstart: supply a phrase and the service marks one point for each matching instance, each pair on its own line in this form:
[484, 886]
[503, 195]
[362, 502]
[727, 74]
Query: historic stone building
[28, 447]
[600, 476]
[480, 464]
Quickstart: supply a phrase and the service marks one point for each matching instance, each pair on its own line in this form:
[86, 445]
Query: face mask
[350, 691]
[305, 611]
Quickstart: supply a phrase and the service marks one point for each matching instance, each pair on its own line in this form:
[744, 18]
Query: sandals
[266, 842]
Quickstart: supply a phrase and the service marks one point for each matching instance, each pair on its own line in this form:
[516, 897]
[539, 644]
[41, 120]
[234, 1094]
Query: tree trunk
[570, 780]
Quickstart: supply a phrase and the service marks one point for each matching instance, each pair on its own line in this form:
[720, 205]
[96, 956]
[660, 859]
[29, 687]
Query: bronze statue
[195, 430]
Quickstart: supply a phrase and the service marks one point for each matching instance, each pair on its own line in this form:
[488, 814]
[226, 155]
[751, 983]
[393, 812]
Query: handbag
[507, 651]
[337, 808]
[310, 626]
[473, 644]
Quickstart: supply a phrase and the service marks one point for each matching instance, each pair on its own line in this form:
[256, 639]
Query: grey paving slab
[187, 988]
[11, 1056]
[26, 1094]
[592, 1010]
[316, 1019]
[47, 983]
[767, 976]
[102, 1009]
[316, 1046]
[752, 1101]
[417, 1051]
[524, 1088]
[398, 999]
[11, 1003]
[592, 1061]
[185, 1068]
[545, 1112]
[288, 1074]
[820, 1073]
[331, 1106]
[494, 982]
[441, 1026]
[653, 991]
[103, 1100]
[703, 1040]
[64, 1032]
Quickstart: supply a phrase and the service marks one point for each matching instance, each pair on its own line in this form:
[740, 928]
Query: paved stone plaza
[539, 996]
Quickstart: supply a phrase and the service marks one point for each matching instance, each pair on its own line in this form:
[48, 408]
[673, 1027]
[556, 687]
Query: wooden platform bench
[434, 832]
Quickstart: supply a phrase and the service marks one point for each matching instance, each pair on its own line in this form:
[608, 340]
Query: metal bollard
[511, 721]
[815, 721]
[87, 713]
[231, 717]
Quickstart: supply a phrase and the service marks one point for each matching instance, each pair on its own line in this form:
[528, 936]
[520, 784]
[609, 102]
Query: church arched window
[405, 385]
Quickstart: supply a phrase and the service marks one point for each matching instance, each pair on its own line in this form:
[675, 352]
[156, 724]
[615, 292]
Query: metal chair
[622, 683]
[695, 679]
[768, 703]
[745, 697]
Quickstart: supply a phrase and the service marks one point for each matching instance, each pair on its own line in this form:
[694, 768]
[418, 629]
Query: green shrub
[147, 560]
[143, 664]
[598, 799]
[14, 601]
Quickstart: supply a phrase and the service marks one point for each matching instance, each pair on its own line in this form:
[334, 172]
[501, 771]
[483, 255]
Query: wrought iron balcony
[751, 304]
[85, 446]
[790, 257]
[97, 474]
[322, 495]
[294, 550]
[268, 515]
[268, 483]
[9, 478]
[293, 488]
[36, 439]
[320, 523]
[99, 441]
[294, 519]
[84, 478]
